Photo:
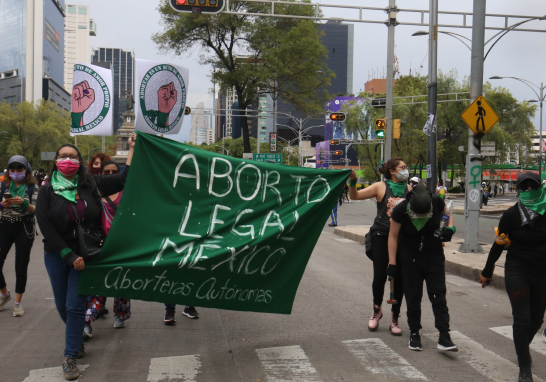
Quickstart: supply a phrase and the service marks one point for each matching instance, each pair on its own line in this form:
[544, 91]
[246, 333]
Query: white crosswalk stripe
[379, 358]
[537, 345]
[484, 361]
[287, 364]
[183, 368]
[51, 374]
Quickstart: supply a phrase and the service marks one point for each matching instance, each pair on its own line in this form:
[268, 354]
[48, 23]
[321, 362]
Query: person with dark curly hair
[72, 197]
[387, 195]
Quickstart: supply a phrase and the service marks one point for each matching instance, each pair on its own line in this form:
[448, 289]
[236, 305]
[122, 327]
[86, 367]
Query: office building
[123, 71]
[78, 27]
[339, 41]
[200, 122]
[31, 50]
[210, 137]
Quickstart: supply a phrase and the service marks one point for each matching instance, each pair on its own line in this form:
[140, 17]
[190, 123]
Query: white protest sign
[92, 111]
[161, 100]
[430, 126]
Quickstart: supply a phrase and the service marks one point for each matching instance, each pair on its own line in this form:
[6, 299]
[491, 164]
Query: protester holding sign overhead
[388, 194]
[523, 228]
[18, 194]
[72, 198]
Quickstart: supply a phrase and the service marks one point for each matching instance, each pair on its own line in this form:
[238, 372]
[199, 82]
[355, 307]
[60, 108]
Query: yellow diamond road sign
[480, 116]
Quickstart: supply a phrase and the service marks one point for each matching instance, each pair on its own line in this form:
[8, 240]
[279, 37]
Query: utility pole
[391, 24]
[473, 193]
[432, 170]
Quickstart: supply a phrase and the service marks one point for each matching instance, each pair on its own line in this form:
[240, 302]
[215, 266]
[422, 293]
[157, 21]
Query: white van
[311, 162]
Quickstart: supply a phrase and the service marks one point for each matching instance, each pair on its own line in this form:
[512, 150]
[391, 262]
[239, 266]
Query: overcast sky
[129, 25]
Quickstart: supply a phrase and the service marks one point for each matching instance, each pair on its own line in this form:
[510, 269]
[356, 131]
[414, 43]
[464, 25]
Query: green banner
[203, 229]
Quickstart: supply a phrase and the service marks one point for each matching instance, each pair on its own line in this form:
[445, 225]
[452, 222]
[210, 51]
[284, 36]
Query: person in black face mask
[523, 228]
[418, 222]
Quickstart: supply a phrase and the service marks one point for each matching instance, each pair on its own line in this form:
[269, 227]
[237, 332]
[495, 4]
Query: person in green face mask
[523, 229]
[387, 194]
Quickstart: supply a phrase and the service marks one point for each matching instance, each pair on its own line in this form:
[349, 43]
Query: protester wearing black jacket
[71, 187]
[523, 228]
[421, 255]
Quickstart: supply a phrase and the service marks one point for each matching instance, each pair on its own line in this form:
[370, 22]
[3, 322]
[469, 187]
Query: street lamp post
[89, 152]
[540, 100]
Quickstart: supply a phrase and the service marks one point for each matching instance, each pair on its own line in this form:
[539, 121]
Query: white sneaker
[118, 323]
[4, 300]
[18, 310]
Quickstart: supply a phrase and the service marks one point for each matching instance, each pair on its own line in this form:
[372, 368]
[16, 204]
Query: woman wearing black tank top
[388, 194]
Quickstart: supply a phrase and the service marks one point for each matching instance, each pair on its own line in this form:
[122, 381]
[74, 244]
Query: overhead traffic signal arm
[197, 6]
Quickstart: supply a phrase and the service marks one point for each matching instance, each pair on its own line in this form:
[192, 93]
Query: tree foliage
[28, 129]
[251, 54]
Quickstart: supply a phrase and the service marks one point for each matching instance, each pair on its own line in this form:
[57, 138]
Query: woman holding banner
[72, 193]
[95, 304]
[388, 194]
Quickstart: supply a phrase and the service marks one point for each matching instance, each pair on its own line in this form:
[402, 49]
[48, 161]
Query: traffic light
[197, 6]
[334, 142]
[337, 116]
[187, 110]
[396, 124]
[272, 142]
[338, 152]
[380, 126]
[319, 162]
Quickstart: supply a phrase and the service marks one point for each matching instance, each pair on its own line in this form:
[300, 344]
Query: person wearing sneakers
[18, 195]
[523, 228]
[388, 194]
[72, 193]
[416, 243]
[170, 310]
[96, 304]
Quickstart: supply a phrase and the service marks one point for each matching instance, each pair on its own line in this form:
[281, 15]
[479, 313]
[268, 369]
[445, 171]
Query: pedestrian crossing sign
[480, 116]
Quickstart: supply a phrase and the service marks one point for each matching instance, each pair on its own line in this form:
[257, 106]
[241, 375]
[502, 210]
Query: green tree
[251, 54]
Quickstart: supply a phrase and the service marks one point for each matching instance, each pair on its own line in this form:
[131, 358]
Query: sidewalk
[467, 265]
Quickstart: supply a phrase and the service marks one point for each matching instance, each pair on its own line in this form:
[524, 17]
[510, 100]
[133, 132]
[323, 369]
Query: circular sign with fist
[162, 97]
[90, 99]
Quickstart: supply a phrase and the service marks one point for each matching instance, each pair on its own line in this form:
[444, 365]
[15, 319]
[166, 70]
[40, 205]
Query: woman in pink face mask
[17, 226]
[71, 187]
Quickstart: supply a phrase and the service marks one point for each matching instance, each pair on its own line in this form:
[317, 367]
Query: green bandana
[419, 221]
[398, 189]
[63, 187]
[534, 200]
[17, 191]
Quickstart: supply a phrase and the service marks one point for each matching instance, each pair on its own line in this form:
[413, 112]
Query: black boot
[525, 374]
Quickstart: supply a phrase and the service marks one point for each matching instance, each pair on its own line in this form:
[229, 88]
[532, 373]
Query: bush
[455, 190]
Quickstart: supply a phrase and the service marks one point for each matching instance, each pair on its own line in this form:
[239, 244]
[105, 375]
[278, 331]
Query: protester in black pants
[17, 226]
[387, 194]
[523, 228]
[416, 222]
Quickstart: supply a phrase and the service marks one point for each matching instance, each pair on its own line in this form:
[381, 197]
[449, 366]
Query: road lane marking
[484, 361]
[51, 374]
[287, 364]
[183, 368]
[379, 358]
[537, 345]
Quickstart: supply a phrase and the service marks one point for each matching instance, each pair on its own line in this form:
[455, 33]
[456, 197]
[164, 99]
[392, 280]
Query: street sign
[273, 142]
[48, 155]
[269, 158]
[488, 149]
[480, 116]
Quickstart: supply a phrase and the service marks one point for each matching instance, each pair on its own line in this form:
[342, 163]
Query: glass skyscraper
[31, 50]
[123, 67]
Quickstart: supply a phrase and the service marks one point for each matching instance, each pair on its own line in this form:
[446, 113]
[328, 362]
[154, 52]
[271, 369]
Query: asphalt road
[324, 340]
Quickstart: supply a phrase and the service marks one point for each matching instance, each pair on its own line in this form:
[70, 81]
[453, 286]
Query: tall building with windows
[123, 68]
[32, 51]
[338, 39]
[78, 27]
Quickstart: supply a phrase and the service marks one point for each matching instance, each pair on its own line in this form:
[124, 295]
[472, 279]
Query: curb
[454, 262]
